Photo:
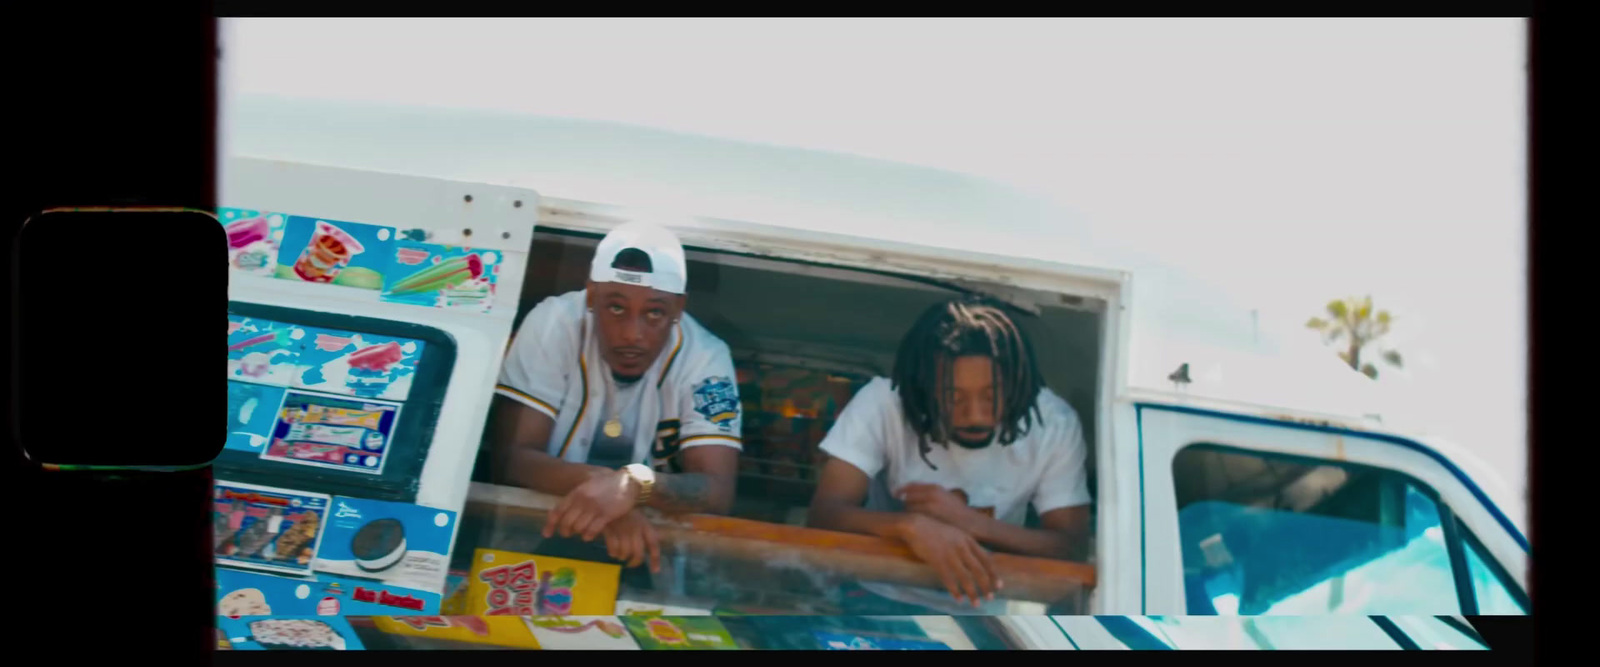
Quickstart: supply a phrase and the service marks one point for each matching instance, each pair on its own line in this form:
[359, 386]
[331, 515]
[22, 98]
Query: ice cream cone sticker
[329, 251]
[442, 276]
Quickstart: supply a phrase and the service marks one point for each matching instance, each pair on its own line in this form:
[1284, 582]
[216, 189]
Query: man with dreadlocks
[948, 454]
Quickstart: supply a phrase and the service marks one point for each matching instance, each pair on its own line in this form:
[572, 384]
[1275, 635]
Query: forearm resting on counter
[854, 556]
[538, 471]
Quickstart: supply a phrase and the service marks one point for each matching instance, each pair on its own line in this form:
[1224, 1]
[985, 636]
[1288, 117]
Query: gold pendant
[613, 428]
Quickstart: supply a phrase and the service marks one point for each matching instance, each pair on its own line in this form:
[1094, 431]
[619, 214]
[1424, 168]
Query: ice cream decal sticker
[441, 276]
[253, 239]
[262, 351]
[341, 253]
[364, 365]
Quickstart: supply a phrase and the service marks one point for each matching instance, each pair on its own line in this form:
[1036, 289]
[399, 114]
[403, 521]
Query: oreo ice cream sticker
[379, 545]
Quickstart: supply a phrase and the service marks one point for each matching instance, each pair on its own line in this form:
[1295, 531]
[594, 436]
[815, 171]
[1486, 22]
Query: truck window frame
[1454, 534]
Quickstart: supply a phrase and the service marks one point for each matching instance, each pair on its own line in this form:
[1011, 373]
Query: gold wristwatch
[645, 476]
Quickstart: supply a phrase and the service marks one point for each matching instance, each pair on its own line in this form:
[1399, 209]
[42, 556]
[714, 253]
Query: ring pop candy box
[505, 631]
[505, 583]
[266, 528]
[263, 351]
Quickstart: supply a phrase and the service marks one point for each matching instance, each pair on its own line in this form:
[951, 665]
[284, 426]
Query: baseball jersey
[688, 398]
[1045, 468]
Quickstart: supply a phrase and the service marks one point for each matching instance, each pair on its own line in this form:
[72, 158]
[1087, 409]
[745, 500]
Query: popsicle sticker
[358, 364]
[442, 276]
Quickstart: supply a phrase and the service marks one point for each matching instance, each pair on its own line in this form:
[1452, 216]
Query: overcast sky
[1286, 161]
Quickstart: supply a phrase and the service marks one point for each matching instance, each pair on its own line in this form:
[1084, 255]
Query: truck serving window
[1276, 535]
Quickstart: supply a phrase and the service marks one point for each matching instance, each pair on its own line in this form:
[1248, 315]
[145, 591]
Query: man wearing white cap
[614, 398]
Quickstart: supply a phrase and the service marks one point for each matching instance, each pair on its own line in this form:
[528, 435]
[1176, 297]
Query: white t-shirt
[1045, 468]
[690, 395]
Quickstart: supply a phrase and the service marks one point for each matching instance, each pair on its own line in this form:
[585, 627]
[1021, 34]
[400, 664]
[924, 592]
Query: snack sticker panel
[350, 596]
[253, 239]
[265, 528]
[505, 583]
[669, 633]
[457, 277]
[316, 633]
[350, 254]
[505, 631]
[263, 351]
[580, 633]
[252, 414]
[357, 364]
[244, 593]
[332, 432]
[395, 543]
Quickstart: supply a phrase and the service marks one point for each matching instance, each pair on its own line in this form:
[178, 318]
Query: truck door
[1247, 515]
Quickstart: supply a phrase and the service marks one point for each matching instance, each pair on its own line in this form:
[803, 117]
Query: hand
[963, 566]
[631, 539]
[588, 509]
[940, 503]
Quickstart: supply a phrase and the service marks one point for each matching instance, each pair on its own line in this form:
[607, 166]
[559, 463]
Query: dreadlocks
[970, 326]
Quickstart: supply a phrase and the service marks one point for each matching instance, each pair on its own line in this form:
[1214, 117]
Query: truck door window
[1489, 587]
[1271, 535]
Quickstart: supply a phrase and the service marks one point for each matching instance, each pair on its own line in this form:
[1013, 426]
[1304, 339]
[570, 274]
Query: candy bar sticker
[441, 276]
[361, 446]
[265, 528]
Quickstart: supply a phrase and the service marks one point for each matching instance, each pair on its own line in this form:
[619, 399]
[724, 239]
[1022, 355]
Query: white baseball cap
[666, 271]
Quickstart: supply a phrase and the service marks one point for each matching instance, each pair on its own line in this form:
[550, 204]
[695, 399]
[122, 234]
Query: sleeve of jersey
[1065, 482]
[711, 412]
[857, 436]
[535, 370]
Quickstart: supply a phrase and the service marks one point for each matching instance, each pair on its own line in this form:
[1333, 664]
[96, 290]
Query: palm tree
[1353, 322]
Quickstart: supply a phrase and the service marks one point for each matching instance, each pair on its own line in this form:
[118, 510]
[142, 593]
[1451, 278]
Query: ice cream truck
[370, 312]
